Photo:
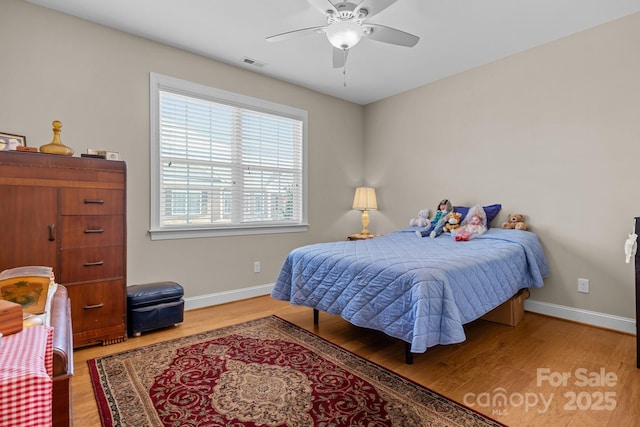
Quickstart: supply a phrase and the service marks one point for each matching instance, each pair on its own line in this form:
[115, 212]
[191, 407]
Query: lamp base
[361, 236]
[365, 222]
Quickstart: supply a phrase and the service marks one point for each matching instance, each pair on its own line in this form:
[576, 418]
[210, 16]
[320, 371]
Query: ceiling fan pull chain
[344, 68]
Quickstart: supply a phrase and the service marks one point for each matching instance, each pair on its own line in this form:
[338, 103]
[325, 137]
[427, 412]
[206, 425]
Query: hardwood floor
[552, 372]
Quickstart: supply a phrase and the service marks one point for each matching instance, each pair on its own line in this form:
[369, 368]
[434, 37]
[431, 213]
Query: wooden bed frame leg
[315, 316]
[408, 356]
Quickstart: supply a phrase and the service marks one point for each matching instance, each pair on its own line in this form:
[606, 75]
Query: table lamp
[365, 200]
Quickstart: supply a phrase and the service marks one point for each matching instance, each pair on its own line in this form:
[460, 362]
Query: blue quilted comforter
[420, 290]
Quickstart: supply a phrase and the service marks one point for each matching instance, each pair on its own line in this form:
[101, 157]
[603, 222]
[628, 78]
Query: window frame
[159, 82]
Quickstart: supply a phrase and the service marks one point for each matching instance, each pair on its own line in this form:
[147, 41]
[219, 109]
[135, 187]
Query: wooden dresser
[69, 213]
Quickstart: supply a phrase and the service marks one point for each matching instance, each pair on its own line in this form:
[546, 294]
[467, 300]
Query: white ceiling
[455, 35]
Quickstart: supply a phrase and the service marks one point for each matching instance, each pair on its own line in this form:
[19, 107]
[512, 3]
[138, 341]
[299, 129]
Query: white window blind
[225, 163]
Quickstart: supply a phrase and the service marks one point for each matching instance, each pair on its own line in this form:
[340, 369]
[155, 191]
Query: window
[223, 163]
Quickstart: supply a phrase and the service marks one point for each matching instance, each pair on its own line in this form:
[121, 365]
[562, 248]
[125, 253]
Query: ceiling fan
[346, 26]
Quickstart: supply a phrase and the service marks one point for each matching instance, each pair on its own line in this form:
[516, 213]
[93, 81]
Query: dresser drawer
[92, 201]
[96, 305]
[91, 231]
[85, 264]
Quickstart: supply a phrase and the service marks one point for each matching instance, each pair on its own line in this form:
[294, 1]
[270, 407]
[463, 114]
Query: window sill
[170, 234]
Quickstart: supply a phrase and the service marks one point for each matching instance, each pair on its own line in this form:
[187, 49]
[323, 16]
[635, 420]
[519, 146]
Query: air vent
[253, 62]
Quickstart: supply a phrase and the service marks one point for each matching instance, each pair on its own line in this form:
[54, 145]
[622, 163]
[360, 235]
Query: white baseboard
[603, 320]
[191, 303]
[594, 318]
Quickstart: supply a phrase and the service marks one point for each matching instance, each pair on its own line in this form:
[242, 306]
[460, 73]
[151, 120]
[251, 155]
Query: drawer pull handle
[89, 307]
[93, 202]
[93, 264]
[52, 234]
[93, 230]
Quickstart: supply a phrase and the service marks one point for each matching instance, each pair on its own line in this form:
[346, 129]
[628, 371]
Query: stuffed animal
[515, 221]
[422, 220]
[453, 221]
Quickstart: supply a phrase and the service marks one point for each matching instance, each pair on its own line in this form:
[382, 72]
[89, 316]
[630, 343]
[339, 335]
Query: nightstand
[363, 236]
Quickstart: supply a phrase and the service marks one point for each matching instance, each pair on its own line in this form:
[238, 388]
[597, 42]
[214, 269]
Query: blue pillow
[491, 211]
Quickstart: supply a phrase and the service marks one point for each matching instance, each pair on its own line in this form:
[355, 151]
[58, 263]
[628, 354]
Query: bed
[419, 290]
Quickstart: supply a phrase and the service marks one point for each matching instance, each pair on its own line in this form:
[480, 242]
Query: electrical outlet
[583, 286]
[256, 267]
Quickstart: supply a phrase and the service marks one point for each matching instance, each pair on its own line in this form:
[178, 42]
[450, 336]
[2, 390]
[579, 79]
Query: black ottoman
[153, 306]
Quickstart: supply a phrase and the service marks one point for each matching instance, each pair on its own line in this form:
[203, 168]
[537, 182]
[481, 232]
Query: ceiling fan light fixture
[344, 34]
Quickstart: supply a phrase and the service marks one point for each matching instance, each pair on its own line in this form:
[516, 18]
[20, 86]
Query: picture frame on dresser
[9, 141]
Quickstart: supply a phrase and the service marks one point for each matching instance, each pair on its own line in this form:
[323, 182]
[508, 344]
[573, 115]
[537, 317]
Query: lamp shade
[344, 34]
[365, 199]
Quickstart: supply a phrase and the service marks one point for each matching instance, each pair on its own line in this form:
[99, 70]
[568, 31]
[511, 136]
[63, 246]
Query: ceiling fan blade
[374, 6]
[323, 5]
[339, 57]
[296, 33]
[390, 35]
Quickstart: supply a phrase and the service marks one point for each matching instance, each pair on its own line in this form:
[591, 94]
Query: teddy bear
[453, 221]
[422, 220]
[515, 221]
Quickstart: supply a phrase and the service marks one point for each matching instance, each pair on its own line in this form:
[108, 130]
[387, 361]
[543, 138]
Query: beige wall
[553, 133]
[96, 81]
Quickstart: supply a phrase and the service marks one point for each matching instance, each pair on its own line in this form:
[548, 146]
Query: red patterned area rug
[266, 372]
